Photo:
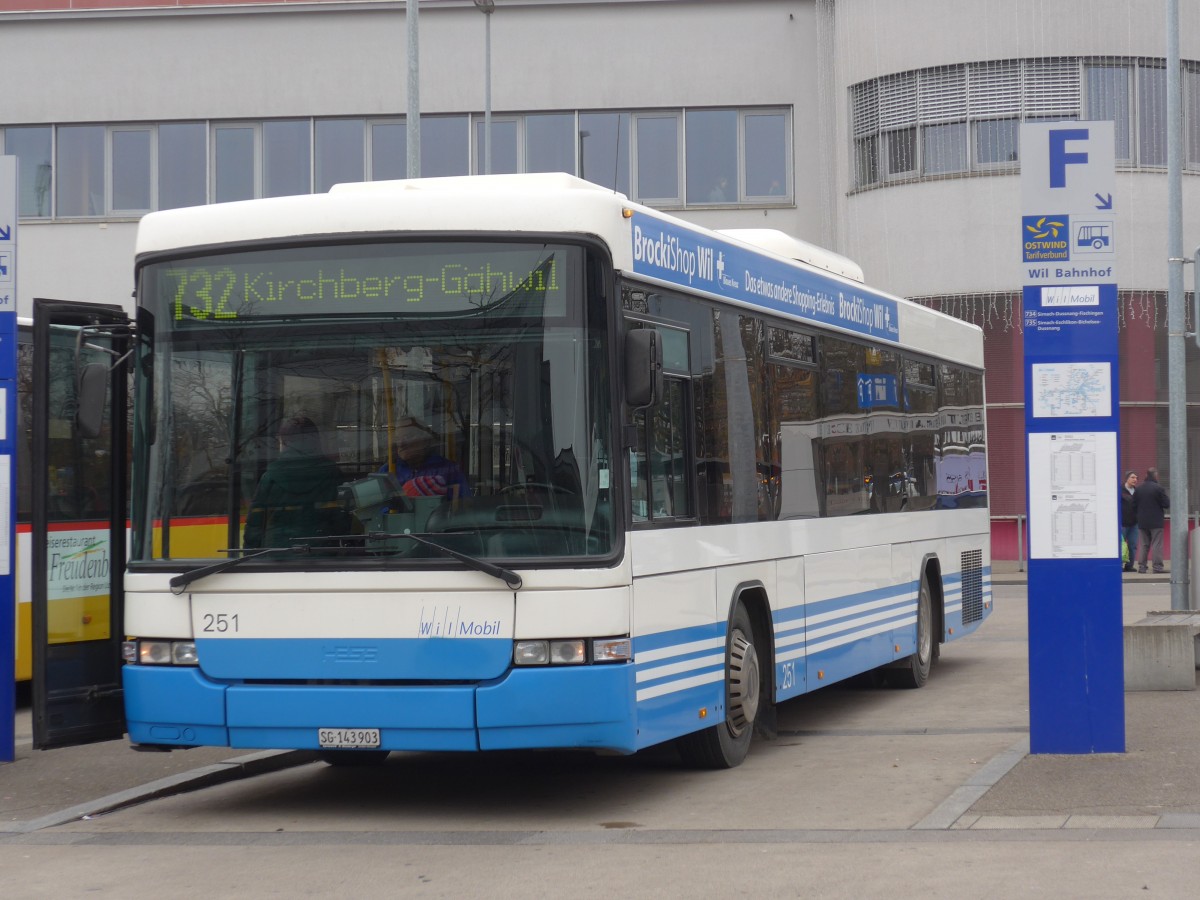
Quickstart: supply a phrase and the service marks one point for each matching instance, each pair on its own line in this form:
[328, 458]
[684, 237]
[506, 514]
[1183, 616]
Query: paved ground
[1154, 785]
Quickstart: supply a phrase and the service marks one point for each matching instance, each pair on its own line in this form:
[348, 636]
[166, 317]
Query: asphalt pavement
[1154, 784]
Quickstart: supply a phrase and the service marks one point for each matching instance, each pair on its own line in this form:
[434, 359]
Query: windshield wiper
[508, 576]
[180, 582]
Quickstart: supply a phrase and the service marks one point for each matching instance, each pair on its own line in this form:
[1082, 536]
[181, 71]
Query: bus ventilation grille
[972, 586]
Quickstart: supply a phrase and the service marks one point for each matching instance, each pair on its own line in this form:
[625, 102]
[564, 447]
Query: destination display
[402, 279]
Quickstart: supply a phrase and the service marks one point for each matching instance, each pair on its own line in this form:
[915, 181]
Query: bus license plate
[347, 738]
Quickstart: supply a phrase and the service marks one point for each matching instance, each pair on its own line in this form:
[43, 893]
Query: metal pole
[487, 7]
[1176, 327]
[487, 92]
[412, 10]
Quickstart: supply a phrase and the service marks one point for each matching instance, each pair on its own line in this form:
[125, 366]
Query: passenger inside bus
[297, 496]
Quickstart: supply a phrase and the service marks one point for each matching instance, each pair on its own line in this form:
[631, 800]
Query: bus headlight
[154, 653]
[571, 651]
[160, 653]
[531, 653]
[183, 653]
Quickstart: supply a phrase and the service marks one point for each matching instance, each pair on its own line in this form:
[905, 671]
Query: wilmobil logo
[1046, 238]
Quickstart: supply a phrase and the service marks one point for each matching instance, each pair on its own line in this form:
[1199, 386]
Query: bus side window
[658, 466]
[670, 496]
[638, 471]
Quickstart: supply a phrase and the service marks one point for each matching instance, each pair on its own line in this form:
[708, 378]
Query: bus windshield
[336, 398]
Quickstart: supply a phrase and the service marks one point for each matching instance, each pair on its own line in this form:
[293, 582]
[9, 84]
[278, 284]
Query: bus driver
[419, 469]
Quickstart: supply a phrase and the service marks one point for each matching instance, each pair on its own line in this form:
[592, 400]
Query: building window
[969, 116]
[604, 149]
[32, 148]
[233, 163]
[711, 139]
[657, 140]
[550, 143]
[668, 158]
[388, 151]
[131, 166]
[1191, 117]
[944, 148]
[287, 158]
[182, 164]
[996, 142]
[768, 149]
[1152, 116]
[900, 152]
[340, 152]
[506, 146]
[444, 146]
[79, 188]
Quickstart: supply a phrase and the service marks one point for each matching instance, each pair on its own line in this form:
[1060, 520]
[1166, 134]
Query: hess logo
[348, 653]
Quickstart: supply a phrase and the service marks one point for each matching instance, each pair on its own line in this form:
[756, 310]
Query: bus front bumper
[545, 707]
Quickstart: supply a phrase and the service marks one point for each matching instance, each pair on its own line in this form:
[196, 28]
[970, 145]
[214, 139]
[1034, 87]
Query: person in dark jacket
[297, 495]
[1150, 502]
[1129, 526]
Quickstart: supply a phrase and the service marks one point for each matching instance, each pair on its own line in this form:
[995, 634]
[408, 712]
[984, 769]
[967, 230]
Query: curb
[206, 776]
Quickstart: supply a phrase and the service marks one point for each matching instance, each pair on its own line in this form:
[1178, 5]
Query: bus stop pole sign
[1068, 272]
[8, 418]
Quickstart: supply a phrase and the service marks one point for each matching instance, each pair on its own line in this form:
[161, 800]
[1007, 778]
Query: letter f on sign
[1060, 158]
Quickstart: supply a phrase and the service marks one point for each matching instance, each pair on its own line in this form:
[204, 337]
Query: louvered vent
[1052, 87]
[865, 103]
[898, 101]
[972, 586]
[994, 90]
[942, 94]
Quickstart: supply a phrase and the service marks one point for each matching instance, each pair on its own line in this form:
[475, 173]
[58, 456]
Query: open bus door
[79, 489]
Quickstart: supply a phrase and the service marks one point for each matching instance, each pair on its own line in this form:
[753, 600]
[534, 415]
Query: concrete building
[884, 131]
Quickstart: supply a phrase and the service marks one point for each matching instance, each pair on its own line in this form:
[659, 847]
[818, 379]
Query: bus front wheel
[726, 744]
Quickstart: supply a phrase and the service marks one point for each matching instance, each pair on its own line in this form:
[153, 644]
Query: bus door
[78, 470]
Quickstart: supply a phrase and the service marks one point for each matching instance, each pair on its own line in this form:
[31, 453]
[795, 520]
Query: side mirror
[91, 399]
[643, 367]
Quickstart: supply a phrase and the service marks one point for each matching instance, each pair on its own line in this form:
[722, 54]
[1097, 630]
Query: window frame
[643, 443]
[386, 121]
[679, 199]
[255, 127]
[151, 133]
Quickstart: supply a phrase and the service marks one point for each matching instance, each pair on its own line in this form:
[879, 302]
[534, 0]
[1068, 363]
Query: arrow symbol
[1105, 201]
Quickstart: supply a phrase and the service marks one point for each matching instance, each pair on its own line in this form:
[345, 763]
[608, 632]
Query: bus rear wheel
[914, 671]
[726, 744]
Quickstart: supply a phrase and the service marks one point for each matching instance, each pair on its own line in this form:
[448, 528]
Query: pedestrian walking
[1129, 524]
[1150, 503]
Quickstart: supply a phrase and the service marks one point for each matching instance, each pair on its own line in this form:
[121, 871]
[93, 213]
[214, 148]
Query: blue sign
[670, 253]
[876, 390]
[8, 444]
[1068, 261]
[1046, 238]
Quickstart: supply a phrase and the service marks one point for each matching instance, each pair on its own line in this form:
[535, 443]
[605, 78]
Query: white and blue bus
[666, 477]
